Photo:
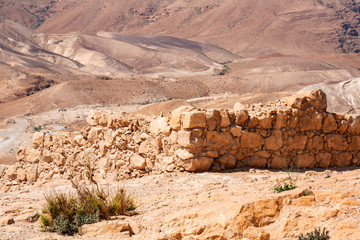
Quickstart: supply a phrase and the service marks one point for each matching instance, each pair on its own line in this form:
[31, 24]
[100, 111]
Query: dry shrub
[66, 212]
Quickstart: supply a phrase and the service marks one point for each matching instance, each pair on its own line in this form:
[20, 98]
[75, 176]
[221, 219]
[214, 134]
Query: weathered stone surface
[297, 142]
[256, 162]
[217, 140]
[342, 159]
[190, 139]
[355, 143]
[317, 143]
[329, 124]
[184, 154]
[336, 142]
[175, 120]
[227, 160]
[265, 121]
[315, 99]
[310, 121]
[236, 131]
[354, 125]
[279, 162]
[138, 162]
[38, 140]
[281, 119]
[251, 140]
[224, 118]
[198, 164]
[107, 228]
[274, 142]
[305, 161]
[159, 125]
[323, 159]
[241, 114]
[194, 119]
[33, 156]
[213, 119]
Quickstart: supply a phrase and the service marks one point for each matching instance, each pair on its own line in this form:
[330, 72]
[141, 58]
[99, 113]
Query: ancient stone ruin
[292, 132]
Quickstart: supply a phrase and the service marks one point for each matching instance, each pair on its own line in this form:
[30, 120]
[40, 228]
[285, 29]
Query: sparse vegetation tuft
[317, 234]
[65, 213]
[225, 67]
[285, 186]
[37, 129]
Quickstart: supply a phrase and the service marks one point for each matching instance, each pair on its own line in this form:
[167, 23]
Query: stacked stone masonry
[292, 132]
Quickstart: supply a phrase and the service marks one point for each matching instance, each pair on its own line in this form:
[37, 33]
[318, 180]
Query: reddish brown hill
[248, 27]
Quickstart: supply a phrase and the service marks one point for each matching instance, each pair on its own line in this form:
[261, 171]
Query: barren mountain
[246, 27]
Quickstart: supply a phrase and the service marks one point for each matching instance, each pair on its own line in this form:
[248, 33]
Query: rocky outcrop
[296, 131]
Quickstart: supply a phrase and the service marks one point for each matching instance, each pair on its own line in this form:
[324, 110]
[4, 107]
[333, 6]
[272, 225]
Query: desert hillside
[288, 27]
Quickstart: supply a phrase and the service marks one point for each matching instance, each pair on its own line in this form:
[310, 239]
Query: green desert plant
[317, 234]
[285, 186]
[64, 213]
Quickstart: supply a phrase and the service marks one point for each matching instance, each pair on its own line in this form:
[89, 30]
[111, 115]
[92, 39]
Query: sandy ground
[208, 198]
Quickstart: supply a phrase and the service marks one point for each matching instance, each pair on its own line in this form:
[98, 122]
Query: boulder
[138, 162]
[198, 164]
[194, 119]
[315, 99]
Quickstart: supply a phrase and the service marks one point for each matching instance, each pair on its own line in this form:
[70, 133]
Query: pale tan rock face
[138, 161]
[315, 99]
[194, 119]
[251, 140]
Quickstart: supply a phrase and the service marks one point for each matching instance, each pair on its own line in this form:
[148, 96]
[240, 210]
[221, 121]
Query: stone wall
[295, 131]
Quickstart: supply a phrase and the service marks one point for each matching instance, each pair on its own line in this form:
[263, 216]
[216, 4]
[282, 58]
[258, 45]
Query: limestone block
[225, 119]
[251, 140]
[184, 154]
[138, 162]
[281, 119]
[265, 121]
[336, 142]
[355, 143]
[110, 229]
[38, 140]
[315, 99]
[227, 160]
[190, 139]
[11, 172]
[317, 143]
[329, 124]
[21, 175]
[213, 119]
[310, 121]
[198, 164]
[253, 122]
[159, 125]
[323, 159]
[279, 162]
[236, 131]
[93, 118]
[33, 156]
[58, 159]
[297, 142]
[241, 114]
[93, 135]
[32, 173]
[256, 162]
[217, 140]
[354, 125]
[342, 159]
[305, 161]
[194, 119]
[274, 142]
[175, 120]
[79, 140]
